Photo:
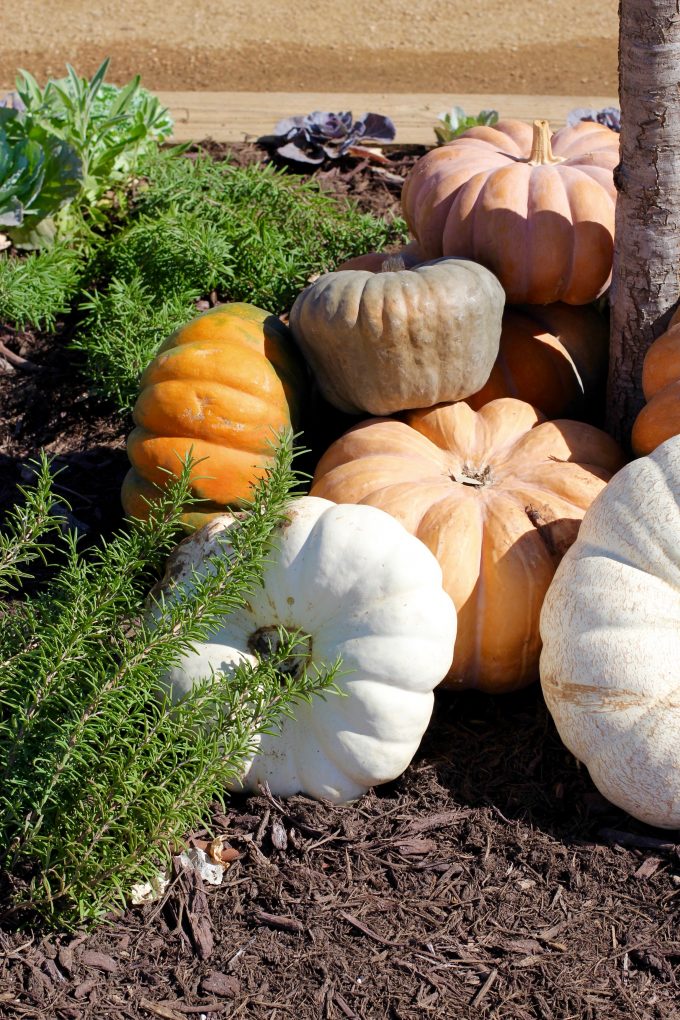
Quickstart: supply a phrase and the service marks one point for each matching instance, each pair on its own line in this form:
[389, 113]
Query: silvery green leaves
[609, 116]
[39, 173]
[76, 138]
[456, 120]
[320, 135]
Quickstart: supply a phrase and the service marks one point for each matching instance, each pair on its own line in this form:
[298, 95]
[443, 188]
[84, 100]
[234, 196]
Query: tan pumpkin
[536, 210]
[659, 419]
[498, 496]
[221, 387]
[553, 356]
[400, 338]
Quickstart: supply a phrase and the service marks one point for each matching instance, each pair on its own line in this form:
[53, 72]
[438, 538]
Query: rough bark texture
[647, 248]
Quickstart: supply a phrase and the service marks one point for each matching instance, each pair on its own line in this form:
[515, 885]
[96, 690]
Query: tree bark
[645, 286]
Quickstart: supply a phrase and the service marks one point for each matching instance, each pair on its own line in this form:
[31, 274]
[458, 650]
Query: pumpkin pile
[461, 527]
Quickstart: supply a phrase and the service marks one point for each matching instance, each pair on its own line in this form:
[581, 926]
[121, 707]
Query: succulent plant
[610, 116]
[319, 135]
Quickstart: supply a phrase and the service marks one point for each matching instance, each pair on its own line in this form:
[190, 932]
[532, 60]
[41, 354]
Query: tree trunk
[645, 287]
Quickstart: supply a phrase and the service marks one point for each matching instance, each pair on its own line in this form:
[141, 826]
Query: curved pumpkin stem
[541, 149]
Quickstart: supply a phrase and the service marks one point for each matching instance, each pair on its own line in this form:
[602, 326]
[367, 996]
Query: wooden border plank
[239, 116]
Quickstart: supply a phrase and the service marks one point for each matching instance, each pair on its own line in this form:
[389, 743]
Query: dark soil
[491, 880]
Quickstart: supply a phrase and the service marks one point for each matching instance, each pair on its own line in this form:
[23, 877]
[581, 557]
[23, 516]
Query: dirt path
[526, 46]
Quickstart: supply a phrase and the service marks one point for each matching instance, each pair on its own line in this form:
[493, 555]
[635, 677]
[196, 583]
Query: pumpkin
[553, 356]
[537, 210]
[382, 342]
[221, 387]
[659, 419]
[362, 589]
[498, 496]
[610, 666]
[374, 261]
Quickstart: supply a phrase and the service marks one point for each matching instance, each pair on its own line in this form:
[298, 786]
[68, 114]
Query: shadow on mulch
[490, 881]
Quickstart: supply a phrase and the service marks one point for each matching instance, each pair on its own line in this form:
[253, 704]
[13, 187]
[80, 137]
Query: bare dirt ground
[560, 47]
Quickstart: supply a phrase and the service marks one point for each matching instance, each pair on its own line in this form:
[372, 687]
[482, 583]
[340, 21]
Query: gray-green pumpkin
[400, 338]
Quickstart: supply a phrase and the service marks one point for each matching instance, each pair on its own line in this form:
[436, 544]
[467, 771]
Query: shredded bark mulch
[490, 881]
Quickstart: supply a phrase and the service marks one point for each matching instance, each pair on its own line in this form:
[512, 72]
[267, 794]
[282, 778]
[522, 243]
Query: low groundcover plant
[99, 777]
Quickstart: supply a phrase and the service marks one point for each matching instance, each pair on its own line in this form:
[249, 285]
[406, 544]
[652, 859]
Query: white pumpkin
[365, 590]
[610, 665]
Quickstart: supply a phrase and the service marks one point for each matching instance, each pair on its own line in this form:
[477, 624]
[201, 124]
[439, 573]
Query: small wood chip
[356, 923]
[279, 921]
[416, 847]
[279, 836]
[159, 1010]
[344, 1007]
[648, 867]
[100, 961]
[65, 959]
[84, 988]
[485, 988]
[217, 983]
[438, 820]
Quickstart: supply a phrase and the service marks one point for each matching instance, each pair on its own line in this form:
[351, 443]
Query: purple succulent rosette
[319, 135]
[12, 101]
[609, 116]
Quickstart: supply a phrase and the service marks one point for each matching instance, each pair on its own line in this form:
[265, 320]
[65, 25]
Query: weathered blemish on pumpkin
[542, 525]
[595, 696]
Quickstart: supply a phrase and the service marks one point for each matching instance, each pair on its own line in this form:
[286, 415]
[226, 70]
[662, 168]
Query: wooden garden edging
[239, 116]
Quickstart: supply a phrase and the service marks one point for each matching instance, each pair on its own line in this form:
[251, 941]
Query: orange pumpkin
[552, 356]
[221, 387]
[498, 496]
[536, 210]
[659, 419]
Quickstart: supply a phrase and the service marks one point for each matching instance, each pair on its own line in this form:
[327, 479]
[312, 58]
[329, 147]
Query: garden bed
[490, 880]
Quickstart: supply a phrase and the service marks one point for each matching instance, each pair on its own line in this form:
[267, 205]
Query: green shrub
[38, 288]
[99, 778]
[253, 234]
[280, 229]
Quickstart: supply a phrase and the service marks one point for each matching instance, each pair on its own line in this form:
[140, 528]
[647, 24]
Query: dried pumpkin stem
[541, 149]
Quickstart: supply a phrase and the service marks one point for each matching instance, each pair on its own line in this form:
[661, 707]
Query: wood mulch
[490, 881]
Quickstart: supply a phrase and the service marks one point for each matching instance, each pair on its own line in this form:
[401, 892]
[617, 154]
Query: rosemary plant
[36, 289]
[99, 776]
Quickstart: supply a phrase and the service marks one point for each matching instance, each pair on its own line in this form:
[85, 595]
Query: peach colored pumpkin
[375, 261]
[498, 496]
[553, 356]
[222, 386]
[659, 419]
[537, 210]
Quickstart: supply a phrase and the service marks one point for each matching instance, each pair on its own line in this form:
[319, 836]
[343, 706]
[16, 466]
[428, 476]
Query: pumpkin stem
[393, 264]
[541, 149]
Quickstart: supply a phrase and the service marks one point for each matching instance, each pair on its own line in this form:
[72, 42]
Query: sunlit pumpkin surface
[537, 210]
[498, 496]
[222, 387]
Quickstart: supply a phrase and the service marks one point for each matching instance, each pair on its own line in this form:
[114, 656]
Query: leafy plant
[253, 234]
[100, 777]
[318, 135]
[123, 328]
[39, 173]
[456, 121]
[109, 128]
